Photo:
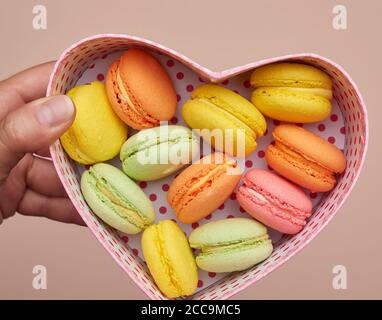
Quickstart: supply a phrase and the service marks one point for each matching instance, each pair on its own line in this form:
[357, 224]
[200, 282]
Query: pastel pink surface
[281, 205]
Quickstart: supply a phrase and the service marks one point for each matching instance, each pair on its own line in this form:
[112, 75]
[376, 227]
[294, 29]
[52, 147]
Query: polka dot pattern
[332, 139]
[346, 127]
[195, 225]
[174, 120]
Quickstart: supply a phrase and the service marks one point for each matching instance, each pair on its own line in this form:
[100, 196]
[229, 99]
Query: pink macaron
[274, 201]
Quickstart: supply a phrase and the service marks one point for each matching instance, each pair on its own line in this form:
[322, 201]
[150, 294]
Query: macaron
[169, 259]
[155, 153]
[96, 134]
[225, 119]
[116, 199]
[305, 158]
[140, 90]
[203, 187]
[274, 201]
[292, 92]
[230, 245]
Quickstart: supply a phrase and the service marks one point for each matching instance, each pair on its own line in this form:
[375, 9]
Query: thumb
[32, 127]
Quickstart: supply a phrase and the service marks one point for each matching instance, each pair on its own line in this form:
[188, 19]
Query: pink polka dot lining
[353, 129]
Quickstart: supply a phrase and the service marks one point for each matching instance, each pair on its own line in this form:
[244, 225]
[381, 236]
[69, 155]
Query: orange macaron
[140, 90]
[203, 187]
[305, 158]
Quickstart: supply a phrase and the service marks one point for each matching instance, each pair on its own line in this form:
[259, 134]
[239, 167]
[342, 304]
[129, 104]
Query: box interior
[89, 60]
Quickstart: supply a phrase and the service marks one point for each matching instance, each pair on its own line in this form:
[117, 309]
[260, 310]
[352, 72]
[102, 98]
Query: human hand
[29, 123]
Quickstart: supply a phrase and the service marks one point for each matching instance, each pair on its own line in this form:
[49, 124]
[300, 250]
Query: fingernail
[55, 111]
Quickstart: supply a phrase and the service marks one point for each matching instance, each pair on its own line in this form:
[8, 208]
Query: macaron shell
[149, 83]
[157, 135]
[290, 75]
[289, 105]
[234, 260]
[209, 199]
[233, 103]
[215, 118]
[188, 175]
[126, 188]
[209, 196]
[86, 142]
[226, 230]
[170, 259]
[150, 172]
[312, 146]
[263, 213]
[322, 92]
[136, 118]
[297, 172]
[279, 188]
[104, 212]
[158, 144]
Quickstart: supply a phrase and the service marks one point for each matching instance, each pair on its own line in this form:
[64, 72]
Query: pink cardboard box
[347, 127]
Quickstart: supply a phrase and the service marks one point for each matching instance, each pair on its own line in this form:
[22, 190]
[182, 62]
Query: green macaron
[155, 153]
[231, 244]
[116, 199]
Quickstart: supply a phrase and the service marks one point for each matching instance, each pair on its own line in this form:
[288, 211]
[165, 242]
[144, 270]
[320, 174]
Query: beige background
[219, 35]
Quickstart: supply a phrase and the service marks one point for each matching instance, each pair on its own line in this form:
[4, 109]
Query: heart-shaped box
[89, 59]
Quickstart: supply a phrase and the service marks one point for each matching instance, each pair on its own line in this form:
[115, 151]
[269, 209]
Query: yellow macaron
[169, 259]
[96, 134]
[220, 112]
[292, 92]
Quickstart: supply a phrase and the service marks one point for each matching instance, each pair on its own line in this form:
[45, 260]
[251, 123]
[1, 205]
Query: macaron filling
[291, 83]
[116, 201]
[166, 261]
[200, 182]
[290, 75]
[128, 104]
[231, 113]
[302, 162]
[128, 99]
[278, 207]
[323, 92]
[160, 140]
[231, 245]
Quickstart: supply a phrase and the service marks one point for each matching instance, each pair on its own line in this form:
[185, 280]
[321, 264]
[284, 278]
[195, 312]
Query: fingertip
[55, 111]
